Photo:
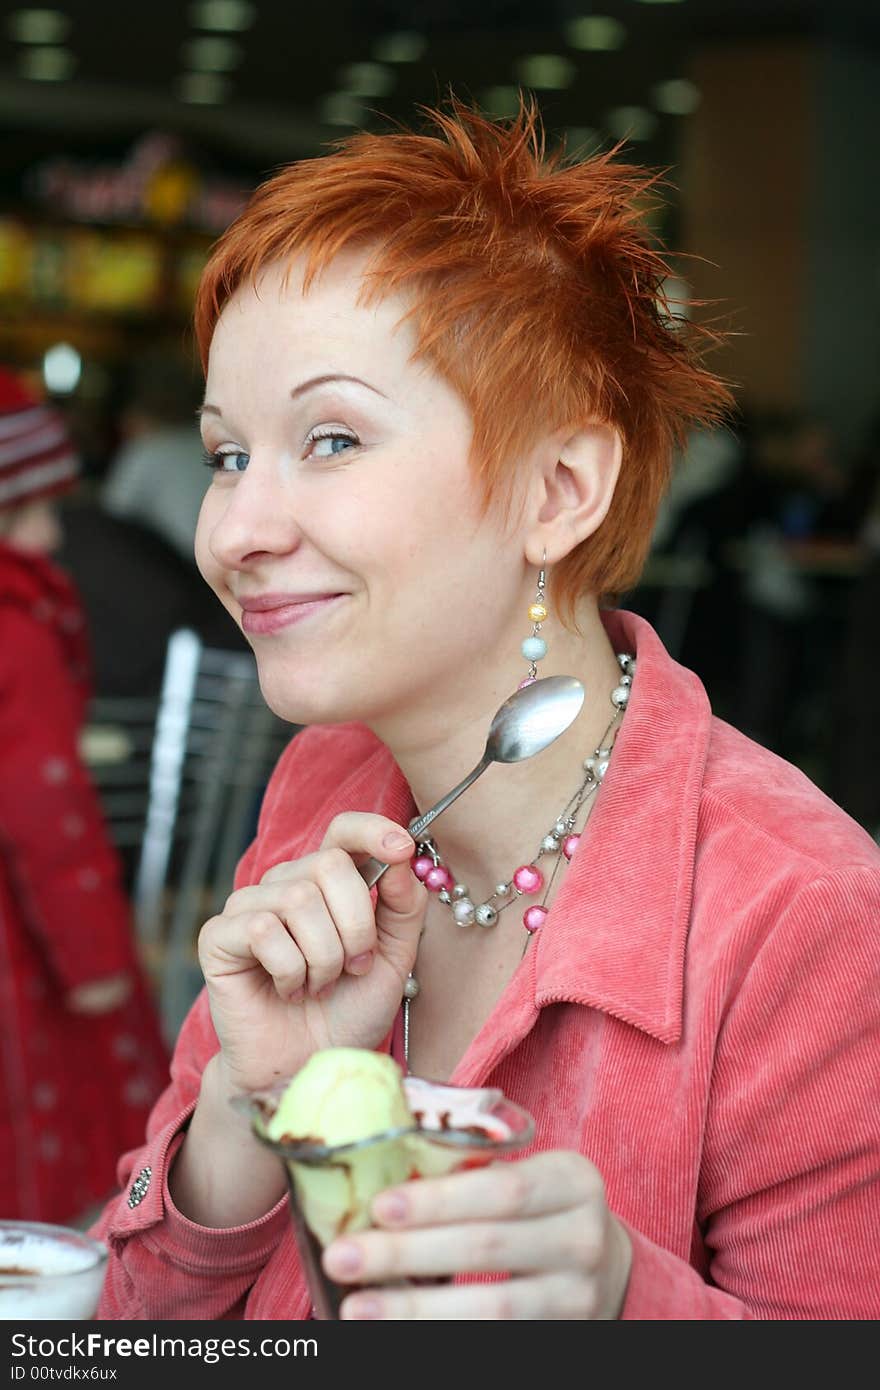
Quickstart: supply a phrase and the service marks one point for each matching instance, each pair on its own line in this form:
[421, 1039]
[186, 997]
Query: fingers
[360, 833]
[570, 1239]
[547, 1297]
[322, 905]
[546, 1226]
[325, 905]
[229, 945]
[546, 1182]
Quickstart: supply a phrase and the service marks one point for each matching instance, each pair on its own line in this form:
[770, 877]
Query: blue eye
[230, 461]
[338, 442]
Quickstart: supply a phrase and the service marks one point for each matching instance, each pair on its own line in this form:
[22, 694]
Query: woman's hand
[542, 1220]
[300, 961]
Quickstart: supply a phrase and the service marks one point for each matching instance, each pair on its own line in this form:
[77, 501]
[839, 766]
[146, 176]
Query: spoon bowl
[533, 718]
[528, 722]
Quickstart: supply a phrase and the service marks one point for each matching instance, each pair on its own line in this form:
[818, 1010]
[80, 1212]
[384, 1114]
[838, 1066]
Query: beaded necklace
[528, 879]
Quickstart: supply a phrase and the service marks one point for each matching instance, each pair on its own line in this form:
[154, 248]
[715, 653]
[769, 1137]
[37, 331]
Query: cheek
[207, 565]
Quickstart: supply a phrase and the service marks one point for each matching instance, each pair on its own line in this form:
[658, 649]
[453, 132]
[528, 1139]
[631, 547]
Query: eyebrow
[305, 386]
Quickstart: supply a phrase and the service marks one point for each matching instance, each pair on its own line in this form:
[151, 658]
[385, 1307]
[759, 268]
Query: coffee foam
[42, 1276]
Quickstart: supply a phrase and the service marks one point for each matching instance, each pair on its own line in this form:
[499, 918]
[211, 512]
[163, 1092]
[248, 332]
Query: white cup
[49, 1272]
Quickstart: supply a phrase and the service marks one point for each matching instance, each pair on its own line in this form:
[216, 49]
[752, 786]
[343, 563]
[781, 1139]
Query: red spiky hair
[536, 291]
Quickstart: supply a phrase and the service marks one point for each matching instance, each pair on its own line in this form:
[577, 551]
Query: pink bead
[528, 879]
[422, 866]
[533, 917]
[529, 680]
[437, 878]
[570, 844]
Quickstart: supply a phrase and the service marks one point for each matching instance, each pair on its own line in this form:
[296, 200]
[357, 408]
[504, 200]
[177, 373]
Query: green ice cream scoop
[342, 1096]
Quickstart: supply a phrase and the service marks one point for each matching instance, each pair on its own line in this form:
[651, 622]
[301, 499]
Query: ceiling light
[678, 97]
[366, 79]
[596, 33]
[46, 64]
[631, 123]
[62, 368]
[340, 108]
[548, 70]
[501, 101]
[673, 300]
[403, 47]
[38, 26]
[212, 54]
[223, 16]
[202, 88]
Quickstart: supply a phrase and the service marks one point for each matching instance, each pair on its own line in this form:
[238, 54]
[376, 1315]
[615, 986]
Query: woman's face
[341, 526]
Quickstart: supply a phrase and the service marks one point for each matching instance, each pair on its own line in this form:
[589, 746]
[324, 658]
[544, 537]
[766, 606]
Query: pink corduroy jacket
[699, 1015]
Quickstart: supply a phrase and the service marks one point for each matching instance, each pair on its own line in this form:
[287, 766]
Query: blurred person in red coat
[81, 1058]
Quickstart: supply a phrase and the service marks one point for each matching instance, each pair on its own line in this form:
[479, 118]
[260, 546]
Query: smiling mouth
[269, 614]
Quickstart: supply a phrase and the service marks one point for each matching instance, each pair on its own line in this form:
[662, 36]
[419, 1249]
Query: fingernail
[343, 1258]
[398, 839]
[359, 965]
[361, 1309]
[391, 1206]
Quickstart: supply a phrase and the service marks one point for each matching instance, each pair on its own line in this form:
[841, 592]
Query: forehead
[275, 309]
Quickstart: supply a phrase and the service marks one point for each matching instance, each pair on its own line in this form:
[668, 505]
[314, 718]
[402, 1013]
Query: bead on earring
[534, 648]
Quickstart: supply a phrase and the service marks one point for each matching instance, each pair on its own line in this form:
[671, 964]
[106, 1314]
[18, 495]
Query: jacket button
[140, 1187]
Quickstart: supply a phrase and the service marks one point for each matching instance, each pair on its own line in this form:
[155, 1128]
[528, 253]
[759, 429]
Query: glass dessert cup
[49, 1272]
[322, 1183]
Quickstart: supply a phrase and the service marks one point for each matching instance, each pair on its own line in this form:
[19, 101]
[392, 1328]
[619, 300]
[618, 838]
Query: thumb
[400, 910]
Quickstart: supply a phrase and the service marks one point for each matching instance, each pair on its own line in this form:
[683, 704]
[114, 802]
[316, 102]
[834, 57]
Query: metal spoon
[525, 724]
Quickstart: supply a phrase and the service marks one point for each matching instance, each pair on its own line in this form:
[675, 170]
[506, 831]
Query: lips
[264, 613]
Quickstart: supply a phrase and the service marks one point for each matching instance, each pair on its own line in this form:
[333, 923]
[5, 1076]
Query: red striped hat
[37, 457]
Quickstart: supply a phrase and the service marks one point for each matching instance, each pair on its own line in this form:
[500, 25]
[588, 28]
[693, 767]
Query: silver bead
[464, 912]
[602, 769]
[486, 915]
[603, 753]
[502, 890]
[619, 696]
[444, 895]
[550, 843]
[625, 662]
[411, 988]
[460, 891]
[590, 764]
[626, 680]
[560, 827]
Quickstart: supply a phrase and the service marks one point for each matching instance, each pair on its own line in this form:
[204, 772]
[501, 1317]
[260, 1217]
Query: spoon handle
[372, 869]
[421, 823]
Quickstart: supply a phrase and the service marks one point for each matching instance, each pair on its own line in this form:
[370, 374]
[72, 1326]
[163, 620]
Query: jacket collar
[615, 936]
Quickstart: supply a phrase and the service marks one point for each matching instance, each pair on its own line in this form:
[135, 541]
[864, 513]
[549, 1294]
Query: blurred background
[130, 137]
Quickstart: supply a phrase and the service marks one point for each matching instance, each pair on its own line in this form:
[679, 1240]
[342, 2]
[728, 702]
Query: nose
[256, 517]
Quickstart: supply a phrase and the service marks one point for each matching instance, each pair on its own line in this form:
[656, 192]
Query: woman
[436, 367]
[81, 1059]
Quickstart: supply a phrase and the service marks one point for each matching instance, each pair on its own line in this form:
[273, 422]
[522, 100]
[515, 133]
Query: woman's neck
[500, 821]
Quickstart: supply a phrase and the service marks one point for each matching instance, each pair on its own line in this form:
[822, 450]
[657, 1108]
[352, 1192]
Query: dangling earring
[534, 648]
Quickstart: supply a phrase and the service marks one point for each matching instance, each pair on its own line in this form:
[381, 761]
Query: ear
[575, 477]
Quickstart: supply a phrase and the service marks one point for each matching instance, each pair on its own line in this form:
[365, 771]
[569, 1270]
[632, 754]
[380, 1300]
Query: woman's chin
[302, 705]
